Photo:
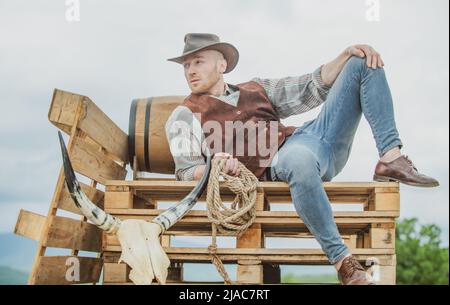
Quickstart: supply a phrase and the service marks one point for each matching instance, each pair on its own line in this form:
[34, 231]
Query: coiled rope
[230, 220]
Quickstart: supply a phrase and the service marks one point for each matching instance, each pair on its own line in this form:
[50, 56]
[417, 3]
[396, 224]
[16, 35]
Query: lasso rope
[233, 220]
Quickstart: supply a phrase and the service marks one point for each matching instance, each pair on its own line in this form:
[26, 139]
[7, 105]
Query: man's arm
[331, 70]
[184, 144]
[295, 94]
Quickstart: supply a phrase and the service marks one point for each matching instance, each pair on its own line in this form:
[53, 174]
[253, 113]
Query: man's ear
[224, 66]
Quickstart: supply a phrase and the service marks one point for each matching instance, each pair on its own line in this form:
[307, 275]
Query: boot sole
[390, 179]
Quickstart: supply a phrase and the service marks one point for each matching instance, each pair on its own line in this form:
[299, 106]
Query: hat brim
[230, 53]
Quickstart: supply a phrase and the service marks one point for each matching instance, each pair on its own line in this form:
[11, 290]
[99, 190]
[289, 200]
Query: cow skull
[139, 239]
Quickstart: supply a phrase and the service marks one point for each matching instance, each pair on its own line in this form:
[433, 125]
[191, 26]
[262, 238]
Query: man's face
[202, 70]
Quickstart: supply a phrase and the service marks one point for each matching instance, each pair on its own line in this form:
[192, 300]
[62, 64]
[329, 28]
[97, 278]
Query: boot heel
[383, 179]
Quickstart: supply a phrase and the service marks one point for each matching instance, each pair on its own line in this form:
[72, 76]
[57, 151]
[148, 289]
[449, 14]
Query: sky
[117, 51]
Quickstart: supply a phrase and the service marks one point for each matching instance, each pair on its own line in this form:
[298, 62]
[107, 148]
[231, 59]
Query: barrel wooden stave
[147, 136]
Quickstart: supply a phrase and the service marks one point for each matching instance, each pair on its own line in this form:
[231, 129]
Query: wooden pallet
[370, 233]
[98, 150]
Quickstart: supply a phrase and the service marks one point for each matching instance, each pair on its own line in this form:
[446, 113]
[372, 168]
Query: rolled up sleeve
[184, 143]
[295, 94]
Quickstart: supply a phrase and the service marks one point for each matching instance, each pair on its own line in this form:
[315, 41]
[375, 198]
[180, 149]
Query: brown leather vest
[250, 142]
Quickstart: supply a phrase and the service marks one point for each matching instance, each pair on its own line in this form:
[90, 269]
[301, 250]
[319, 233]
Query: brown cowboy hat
[202, 41]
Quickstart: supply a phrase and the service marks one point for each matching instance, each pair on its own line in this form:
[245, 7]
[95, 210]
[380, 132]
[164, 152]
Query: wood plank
[59, 270]
[350, 241]
[63, 109]
[29, 224]
[276, 256]
[165, 239]
[385, 201]
[277, 192]
[347, 235]
[259, 214]
[382, 236]
[269, 187]
[69, 233]
[165, 196]
[66, 203]
[40, 252]
[119, 200]
[116, 273]
[94, 122]
[104, 131]
[271, 221]
[196, 230]
[252, 238]
[250, 274]
[333, 198]
[205, 229]
[95, 164]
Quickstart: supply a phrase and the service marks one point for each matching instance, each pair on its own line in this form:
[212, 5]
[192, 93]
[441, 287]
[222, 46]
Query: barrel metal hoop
[148, 107]
[131, 131]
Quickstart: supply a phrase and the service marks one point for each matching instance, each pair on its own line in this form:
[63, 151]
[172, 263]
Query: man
[351, 85]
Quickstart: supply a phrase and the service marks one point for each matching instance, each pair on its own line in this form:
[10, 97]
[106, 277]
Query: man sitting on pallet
[351, 85]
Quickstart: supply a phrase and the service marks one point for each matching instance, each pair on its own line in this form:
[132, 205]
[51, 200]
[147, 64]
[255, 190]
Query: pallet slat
[66, 202]
[272, 187]
[259, 214]
[73, 234]
[270, 221]
[373, 195]
[63, 270]
[90, 162]
[94, 122]
[277, 256]
[29, 224]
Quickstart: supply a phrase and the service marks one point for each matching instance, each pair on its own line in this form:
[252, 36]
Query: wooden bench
[370, 232]
[100, 151]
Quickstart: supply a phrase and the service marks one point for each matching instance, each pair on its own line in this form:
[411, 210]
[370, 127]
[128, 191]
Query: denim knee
[356, 63]
[304, 169]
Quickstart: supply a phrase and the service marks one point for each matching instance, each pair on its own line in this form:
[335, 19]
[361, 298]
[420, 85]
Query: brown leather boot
[352, 273]
[402, 170]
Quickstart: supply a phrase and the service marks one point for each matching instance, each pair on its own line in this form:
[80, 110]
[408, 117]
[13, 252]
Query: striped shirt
[288, 95]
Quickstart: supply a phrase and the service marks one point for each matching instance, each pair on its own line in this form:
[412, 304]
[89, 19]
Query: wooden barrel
[147, 136]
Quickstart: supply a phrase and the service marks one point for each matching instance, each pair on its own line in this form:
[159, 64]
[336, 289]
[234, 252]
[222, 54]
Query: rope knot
[212, 249]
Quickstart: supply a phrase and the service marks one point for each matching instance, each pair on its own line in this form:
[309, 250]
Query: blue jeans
[319, 149]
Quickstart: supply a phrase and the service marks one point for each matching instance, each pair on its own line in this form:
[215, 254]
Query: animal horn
[92, 212]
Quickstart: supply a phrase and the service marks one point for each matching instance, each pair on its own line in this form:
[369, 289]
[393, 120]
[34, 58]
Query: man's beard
[211, 82]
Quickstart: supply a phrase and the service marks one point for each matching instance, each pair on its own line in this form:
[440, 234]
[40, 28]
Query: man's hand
[362, 50]
[331, 70]
[231, 166]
